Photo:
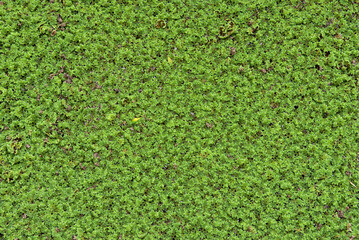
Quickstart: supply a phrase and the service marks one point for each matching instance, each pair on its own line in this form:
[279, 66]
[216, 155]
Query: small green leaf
[111, 117]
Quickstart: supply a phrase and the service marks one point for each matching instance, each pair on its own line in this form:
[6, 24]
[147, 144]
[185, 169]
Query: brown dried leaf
[339, 36]
[319, 226]
[93, 187]
[209, 125]
[59, 19]
[340, 213]
[83, 167]
[274, 105]
[98, 86]
[329, 22]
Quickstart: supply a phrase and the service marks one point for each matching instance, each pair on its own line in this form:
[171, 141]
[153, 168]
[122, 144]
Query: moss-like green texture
[246, 119]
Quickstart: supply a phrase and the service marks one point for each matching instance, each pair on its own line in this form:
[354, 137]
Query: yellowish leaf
[170, 60]
[135, 119]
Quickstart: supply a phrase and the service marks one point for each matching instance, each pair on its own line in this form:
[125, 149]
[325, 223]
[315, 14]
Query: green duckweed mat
[179, 119]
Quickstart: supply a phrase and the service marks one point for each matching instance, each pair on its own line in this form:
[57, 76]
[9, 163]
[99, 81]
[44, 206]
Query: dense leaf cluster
[179, 119]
